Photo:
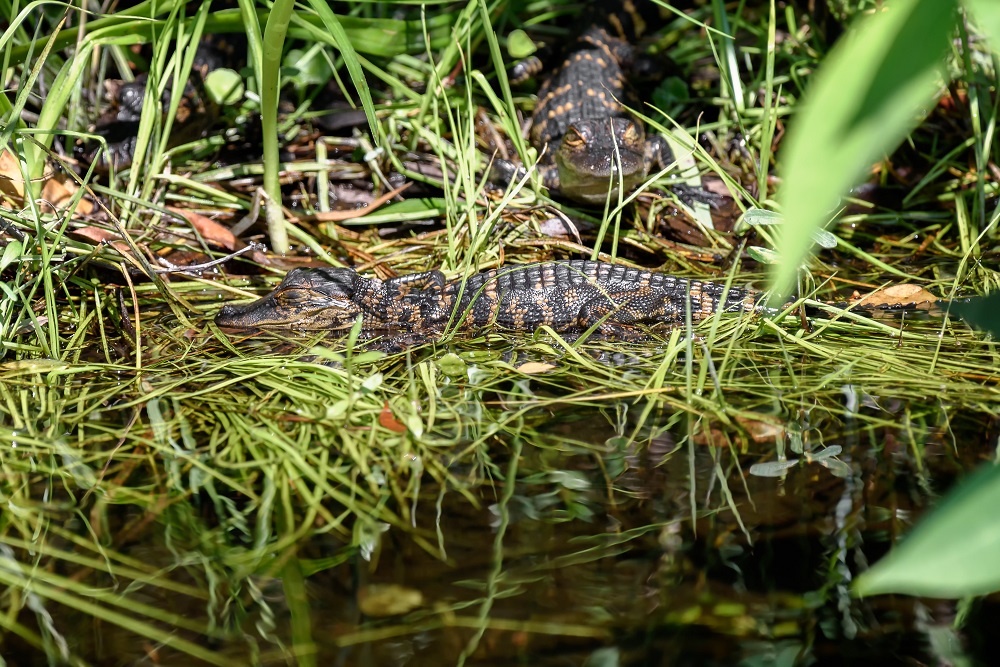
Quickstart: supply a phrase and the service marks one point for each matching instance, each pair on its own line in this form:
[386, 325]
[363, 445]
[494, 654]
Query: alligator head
[305, 299]
[601, 154]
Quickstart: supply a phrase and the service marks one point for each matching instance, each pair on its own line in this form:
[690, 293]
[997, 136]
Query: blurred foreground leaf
[870, 92]
[987, 17]
[954, 552]
[982, 313]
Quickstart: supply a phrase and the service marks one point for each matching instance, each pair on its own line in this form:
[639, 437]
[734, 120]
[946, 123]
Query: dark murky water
[592, 560]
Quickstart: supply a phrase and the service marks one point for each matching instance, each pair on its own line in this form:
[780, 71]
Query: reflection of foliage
[826, 458]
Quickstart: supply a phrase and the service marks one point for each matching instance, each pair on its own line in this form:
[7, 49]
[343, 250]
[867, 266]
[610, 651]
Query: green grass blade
[270, 83]
[251, 26]
[343, 43]
[375, 36]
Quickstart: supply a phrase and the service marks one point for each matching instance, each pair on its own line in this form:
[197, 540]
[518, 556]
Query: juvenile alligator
[592, 144]
[570, 296]
[196, 112]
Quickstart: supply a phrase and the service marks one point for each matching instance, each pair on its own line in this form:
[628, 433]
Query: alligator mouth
[269, 312]
[596, 177]
[592, 189]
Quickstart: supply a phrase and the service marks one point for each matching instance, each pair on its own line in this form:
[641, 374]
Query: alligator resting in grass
[570, 297]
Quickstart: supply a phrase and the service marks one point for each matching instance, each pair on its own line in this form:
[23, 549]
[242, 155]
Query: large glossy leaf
[871, 91]
[954, 552]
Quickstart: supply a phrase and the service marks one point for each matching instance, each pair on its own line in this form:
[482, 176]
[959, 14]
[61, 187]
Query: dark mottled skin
[119, 125]
[593, 145]
[567, 296]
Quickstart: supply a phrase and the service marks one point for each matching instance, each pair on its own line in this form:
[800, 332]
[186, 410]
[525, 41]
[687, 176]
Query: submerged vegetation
[176, 492]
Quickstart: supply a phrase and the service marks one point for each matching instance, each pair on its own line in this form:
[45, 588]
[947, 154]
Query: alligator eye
[291, 297]
[573, 138]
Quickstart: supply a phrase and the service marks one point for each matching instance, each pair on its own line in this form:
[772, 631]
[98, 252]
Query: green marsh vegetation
[173, 492]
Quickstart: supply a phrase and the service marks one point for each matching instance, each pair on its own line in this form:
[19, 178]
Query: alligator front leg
[614, 310]
[658, 153]
[659, 156]
[417, 301]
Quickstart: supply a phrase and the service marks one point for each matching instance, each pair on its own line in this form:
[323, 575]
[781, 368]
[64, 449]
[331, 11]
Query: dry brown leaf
[533, 367]
[97, 236]
[389, 421]
[11, 183]
[905, 294]
[559, 228]
[340, 216]
[57, 189]
[761, 431]
[209, 229]
[713, 437]
[216, 234]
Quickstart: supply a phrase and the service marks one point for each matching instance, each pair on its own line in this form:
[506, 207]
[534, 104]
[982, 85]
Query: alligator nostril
[227, 315]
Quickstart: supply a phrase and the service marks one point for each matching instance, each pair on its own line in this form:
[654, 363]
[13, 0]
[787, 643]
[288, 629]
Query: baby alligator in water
[568, 296]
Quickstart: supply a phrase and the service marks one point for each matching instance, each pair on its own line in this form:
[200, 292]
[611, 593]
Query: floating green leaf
[763, 255]
[759, 217]
[671, 94]
[773, 468]
[307, 68]
[225, 86]
[11, 252]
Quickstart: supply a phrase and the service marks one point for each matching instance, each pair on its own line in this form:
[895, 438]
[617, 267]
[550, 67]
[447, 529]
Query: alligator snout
[239, 317]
